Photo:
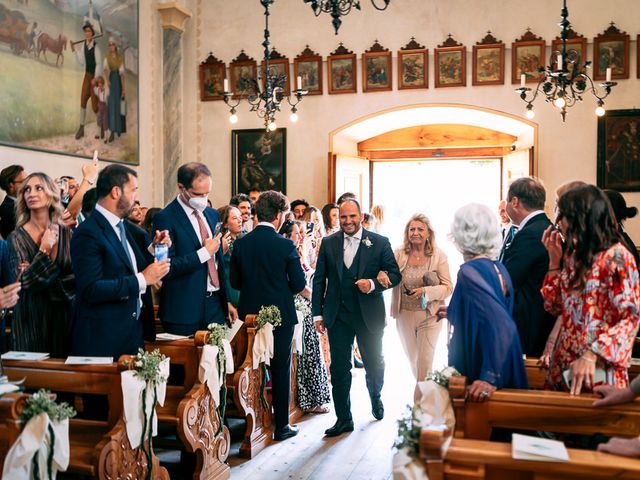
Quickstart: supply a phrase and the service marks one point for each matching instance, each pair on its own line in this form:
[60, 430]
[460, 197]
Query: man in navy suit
[193, 293]
[266, 268]
[348, 303]
[112, 272]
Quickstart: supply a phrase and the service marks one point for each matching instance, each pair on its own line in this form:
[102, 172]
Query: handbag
[123, 107]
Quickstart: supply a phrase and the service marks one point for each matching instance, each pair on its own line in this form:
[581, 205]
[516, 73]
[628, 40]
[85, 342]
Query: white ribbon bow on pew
[36, 440]
[132, 388]
[297, 333]
[263, 346]
[208, 371]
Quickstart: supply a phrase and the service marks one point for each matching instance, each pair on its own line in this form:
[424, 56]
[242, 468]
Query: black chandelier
[565, 84]
[340, 8]
[265, 101]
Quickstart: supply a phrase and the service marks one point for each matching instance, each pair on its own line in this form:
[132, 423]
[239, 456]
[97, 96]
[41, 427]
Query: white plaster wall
[567, 151]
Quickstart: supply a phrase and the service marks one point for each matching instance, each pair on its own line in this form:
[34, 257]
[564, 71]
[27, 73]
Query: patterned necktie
[211, 263]
[508, 239]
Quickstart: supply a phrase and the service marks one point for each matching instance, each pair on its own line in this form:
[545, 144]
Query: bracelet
[553, 269]
[43, 251]
[90, 182]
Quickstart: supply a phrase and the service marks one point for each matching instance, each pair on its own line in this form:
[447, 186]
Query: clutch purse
[430, 279]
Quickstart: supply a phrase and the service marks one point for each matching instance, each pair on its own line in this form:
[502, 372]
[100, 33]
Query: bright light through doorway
[436, 188]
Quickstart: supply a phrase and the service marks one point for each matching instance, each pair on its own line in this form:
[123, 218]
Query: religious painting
[450, 64]
[376, 69]
[412, 66]
[258, 160]
[341, 65]
[619, 150]
[576, 50]
[611, 50]
[308, 66]
[278, 66]
[69, 77]
[212, 75]
[527, 57]
[488, 61]
[243, 74]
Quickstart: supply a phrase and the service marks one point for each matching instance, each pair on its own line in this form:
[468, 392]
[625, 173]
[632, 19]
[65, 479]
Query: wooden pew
[11, 407]
[295, 412]
[540, 411]
[190, 409]
[468, 459]
[535, 374]
[99, 448]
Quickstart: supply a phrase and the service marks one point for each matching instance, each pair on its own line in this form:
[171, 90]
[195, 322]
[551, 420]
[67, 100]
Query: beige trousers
[418, 335]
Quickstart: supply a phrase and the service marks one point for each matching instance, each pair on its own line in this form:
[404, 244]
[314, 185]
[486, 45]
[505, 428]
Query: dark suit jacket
[527, 261]
[266, 268]
[328, 278]
[105, 322]
[182, 295]
[7, 216]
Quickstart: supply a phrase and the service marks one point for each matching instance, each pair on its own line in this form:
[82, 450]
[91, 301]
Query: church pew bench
[99, 447]
[540, 411]
[467, 459]
[191, 410]
[11, 407]
[535, 373]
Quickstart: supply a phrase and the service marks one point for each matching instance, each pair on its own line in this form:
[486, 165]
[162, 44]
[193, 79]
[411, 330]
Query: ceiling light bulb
[600, 111]
[559, 102]
[294, 117]
[233, 118]
[272, 126]
[530, 114]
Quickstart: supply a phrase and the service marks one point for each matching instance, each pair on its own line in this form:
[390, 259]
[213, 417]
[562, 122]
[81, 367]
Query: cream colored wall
[149, 170]
[567, 151]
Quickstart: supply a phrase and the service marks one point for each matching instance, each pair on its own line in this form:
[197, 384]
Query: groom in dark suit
[527, 261]
[348, 303]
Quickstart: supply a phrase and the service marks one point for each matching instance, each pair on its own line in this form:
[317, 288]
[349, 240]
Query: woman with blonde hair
[426, 282]
[40, 257]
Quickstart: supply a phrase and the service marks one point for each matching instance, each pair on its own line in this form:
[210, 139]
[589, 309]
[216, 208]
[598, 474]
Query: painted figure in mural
[252, 174]
[115, 74]
[624, 163]
[90, 57]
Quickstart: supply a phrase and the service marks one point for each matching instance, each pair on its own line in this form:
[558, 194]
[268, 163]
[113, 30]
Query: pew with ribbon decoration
[268, 318]
[215, 363]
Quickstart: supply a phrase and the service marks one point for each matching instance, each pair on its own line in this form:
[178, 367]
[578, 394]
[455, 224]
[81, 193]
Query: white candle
[299, 82]
[560, 62]
[608, 74]
[523, 79]
[226, 85]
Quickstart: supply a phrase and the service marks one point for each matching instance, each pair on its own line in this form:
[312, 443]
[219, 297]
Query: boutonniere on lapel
[367, 242]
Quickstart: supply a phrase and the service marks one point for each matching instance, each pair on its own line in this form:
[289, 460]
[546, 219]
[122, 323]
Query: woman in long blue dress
[114, 67]
[485, 346]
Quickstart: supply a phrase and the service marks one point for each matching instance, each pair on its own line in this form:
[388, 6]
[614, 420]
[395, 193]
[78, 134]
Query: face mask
[199, 203]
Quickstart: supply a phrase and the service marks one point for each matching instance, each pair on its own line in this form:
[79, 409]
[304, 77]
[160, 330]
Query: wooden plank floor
[366, 453]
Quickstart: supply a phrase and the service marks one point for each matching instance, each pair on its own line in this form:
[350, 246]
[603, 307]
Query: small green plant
[409, 426]
[441, 377]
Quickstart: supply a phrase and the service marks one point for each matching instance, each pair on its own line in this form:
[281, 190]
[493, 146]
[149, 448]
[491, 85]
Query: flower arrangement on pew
[268, 318]
[441, 377]
[43, 444]
[215, 364]
[143, 388]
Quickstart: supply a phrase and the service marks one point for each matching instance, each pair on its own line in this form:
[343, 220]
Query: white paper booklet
[12, 355]
[89, 360]
[234, 329]
[169, 336]
[8, 388]
[538, 449]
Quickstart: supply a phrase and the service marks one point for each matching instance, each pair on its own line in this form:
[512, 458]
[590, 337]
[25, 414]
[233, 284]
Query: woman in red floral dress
[592, 285]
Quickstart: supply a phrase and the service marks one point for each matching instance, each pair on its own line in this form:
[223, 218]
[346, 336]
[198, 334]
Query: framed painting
[638, 57]
[259, 159]
[279, 65]
[575, 43]
[450, 64]
[243, 74]
[47, 97]
[342, 69]
[413, 66]
[308, 66]
[619, 150]
[212, 75]
[527, 57]
[376, 69]
[611, 50]
[488, 61]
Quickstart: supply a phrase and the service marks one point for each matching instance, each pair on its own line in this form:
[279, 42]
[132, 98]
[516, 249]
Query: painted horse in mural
[46, 42]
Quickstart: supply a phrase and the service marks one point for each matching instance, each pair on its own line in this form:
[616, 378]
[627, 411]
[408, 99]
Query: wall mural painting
[258, 159]
[619, 150]
[69, 81]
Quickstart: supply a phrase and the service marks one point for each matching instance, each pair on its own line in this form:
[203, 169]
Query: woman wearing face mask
[39, 254]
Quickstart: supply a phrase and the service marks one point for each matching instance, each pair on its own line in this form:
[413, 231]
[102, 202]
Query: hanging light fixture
[565, 84]
[341, 8]
[265, 101]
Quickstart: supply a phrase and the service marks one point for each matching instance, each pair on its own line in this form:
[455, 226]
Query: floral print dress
[602, 317]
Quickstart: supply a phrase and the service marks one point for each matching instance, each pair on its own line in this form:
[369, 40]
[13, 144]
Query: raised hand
[156, 271]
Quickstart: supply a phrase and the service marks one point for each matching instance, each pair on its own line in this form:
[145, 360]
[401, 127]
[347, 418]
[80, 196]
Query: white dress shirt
[203, 253]
[527, 218]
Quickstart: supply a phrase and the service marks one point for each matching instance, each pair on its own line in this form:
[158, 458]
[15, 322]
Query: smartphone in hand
[407, 290]
[217, 229]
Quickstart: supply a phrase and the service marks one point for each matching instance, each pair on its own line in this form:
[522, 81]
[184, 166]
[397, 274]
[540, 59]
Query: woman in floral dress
[592, 285]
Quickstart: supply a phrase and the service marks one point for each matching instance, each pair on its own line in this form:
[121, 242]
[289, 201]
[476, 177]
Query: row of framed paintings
[611, 50]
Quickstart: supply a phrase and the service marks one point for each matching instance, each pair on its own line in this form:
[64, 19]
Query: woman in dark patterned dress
[39, 248]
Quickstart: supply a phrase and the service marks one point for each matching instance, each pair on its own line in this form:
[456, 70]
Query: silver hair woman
[485, 346]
